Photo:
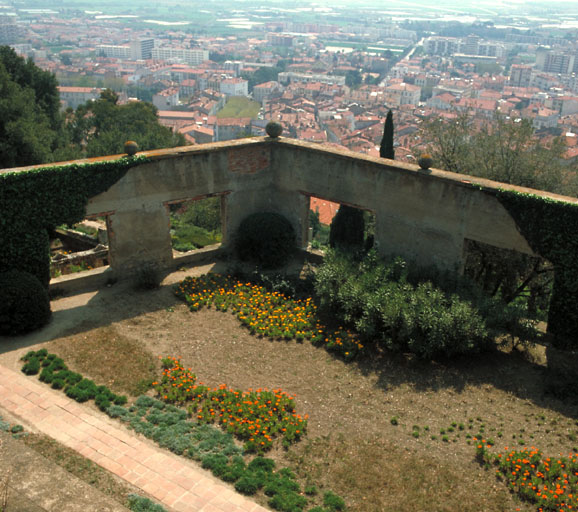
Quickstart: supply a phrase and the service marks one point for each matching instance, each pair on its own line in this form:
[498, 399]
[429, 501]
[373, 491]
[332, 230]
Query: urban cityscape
[328, 73]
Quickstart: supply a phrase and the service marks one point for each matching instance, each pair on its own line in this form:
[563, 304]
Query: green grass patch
[238, 107]
[188, 238]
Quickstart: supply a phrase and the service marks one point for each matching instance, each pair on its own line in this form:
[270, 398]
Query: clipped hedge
[24, 303]
[36, 200]
[266, 239]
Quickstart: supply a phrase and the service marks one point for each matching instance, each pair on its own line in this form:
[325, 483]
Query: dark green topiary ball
[273, 129]
[265, 238]
[130, 147]
[24, 303]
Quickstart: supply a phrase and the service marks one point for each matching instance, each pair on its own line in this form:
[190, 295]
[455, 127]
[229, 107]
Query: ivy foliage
[34, 201]
[550, 227]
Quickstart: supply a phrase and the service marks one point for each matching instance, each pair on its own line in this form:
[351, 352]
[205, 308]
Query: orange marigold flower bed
[257, 417]
[265, 313]
[549, 482]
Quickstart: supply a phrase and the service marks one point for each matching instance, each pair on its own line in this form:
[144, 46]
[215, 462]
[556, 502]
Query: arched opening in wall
[80, 247]
[518, 279]
[333, 223]
[195, 223]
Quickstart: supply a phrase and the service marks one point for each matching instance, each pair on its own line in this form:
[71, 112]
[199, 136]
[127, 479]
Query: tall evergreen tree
[386, 149]
[101, 127]
[347, 231]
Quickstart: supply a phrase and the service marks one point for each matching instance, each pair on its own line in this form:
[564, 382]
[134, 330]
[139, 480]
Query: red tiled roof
[326, 209]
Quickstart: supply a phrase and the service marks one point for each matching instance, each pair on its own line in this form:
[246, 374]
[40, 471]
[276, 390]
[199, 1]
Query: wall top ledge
[461, 180]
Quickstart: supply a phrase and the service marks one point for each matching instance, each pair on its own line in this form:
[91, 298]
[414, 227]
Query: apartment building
[193, 57]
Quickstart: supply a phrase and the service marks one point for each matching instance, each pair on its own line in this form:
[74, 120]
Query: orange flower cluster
[257, 417]
[264, 313]
[550, 483]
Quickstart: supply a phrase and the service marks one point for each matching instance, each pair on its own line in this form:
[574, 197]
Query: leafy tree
[110, 96]
[509, 152]
[261, 76]
[500, 150]
[386, 149]
[102, 127]
[30, 123]
[353, 78]
[492, 68]
[27, 75]
[204, 213]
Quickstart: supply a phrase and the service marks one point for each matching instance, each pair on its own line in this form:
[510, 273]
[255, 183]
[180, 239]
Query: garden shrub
[32, 366]
[262, 464]
[347, 231]
[24, 303]
[248, 484]
[380, 302]
[266, 239]
[56, 373]
[234, 471]
[333, 502]
[138, 503]
[288, 501]
[281, 484]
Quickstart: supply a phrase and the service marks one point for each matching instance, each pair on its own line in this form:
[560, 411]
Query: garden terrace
[424, 216]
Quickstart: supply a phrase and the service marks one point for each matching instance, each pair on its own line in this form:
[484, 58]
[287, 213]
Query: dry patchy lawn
[352, 445]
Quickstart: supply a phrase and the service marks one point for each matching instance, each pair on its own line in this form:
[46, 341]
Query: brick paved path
[172, 481]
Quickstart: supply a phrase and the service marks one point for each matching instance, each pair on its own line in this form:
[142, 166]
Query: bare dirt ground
[352, 446]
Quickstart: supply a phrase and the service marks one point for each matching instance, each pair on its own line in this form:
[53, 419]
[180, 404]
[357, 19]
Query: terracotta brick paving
[173, 482]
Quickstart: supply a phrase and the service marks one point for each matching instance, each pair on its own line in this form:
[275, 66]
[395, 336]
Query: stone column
[138, 237]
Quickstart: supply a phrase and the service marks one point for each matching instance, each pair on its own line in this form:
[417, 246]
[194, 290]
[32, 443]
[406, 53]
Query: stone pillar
[139, 237]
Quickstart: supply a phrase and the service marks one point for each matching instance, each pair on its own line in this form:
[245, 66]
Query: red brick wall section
[248, 160]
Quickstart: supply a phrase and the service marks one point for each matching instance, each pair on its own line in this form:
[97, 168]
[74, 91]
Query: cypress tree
[347, 231]
[386, 149]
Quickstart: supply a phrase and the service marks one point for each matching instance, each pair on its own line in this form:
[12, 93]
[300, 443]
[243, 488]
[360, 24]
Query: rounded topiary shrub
[347, 231]
[24, 303]
[265, 238]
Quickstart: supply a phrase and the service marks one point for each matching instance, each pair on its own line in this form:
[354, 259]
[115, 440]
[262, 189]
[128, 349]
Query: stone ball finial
[130, 147]
[425, 161]
[273, 129]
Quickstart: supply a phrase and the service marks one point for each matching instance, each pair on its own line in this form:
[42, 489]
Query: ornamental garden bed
[384, 431]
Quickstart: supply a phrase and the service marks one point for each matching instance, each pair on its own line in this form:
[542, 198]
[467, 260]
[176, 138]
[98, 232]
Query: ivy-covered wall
[551, 229]
[35, 201]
